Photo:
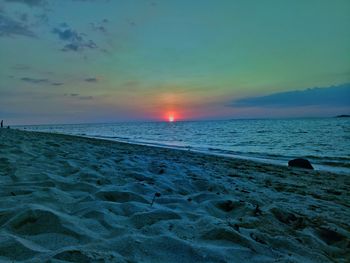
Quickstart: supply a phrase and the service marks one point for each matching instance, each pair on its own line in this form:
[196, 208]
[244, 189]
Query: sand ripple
[69, 199]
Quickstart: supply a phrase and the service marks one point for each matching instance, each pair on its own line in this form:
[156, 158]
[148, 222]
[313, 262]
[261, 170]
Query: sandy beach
[74, 199]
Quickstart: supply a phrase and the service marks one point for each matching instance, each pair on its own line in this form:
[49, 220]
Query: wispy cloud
[56, 83]
[91, 80]
[10, 27]
[30, 3]
[35, 81]
[334, 96]
[40, 81]
[49, 81]
[74, 41]
[78, 96]
[33, 3]
[100, 26]
[91, 0]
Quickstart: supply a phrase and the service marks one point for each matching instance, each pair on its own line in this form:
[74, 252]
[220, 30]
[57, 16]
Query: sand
[72, 199]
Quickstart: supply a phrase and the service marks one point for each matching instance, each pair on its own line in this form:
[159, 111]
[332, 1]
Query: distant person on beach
[2, 123]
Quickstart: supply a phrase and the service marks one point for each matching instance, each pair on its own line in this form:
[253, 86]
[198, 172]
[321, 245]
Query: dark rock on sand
[226, 206]
[301, 163]
[330, 236]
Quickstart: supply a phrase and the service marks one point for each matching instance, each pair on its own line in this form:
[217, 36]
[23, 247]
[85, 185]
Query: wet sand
[73, 199]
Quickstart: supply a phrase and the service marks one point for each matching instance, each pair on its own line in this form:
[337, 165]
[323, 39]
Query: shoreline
[69, 197]
[214, 152]
[262, 160]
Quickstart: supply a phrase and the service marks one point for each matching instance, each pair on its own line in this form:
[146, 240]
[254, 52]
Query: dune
[75, 199]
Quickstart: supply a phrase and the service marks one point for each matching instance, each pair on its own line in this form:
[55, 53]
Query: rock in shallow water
[301, 163]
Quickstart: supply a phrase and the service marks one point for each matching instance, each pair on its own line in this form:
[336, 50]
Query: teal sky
[74, 61]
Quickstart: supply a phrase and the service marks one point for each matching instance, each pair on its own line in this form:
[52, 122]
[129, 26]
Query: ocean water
[324, 141]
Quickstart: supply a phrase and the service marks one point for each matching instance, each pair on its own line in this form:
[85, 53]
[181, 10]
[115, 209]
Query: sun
[171, 118]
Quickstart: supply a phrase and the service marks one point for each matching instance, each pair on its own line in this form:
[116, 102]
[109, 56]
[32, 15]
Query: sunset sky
[76, 61]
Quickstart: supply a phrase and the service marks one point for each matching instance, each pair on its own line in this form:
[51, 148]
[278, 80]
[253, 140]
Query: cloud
[35, 81]
[56, 83]
[91, 1]
[78, 96]
[67, 34]
[10, 27]
[40, 81]
[334, 96]
[30, 3]
[100, 26]
[91, 79]
[33, 3]
[75, 41]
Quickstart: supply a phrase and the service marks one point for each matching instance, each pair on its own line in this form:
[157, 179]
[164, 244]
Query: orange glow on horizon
[171, 117]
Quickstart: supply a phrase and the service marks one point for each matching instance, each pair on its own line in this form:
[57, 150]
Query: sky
[86, 61]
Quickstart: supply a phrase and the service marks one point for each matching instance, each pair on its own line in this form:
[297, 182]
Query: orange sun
[171, 118]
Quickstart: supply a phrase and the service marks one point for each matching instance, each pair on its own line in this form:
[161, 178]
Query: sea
[325, 142]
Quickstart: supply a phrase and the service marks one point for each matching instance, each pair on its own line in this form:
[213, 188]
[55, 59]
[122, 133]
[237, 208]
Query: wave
[322, 141]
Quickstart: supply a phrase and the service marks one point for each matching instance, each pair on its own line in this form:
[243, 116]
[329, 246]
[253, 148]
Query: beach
[73, 199]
